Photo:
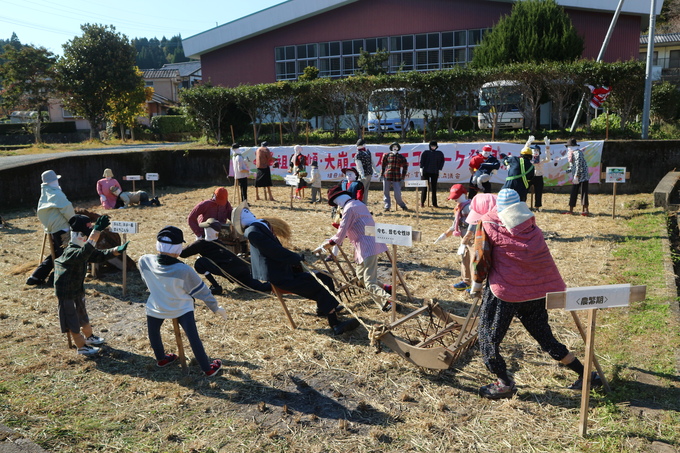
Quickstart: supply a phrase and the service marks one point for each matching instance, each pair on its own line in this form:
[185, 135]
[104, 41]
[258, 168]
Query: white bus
[387, 110]
[501, 104]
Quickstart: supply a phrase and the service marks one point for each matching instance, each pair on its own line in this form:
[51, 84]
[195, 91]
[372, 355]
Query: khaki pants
[367, 273]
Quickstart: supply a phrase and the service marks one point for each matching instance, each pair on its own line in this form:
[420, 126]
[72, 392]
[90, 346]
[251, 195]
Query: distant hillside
[669, 20]
[153, 53]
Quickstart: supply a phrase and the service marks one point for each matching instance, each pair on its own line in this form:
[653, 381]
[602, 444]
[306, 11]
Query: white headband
[163, 247]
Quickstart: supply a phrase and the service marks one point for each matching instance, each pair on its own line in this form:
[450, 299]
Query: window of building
[422, 52]
[286, 70]
[674, 59]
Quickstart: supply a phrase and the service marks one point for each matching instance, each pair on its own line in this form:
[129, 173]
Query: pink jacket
[522, 267]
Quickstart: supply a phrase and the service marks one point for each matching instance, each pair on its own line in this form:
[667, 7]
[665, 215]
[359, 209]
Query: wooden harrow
[428, 336]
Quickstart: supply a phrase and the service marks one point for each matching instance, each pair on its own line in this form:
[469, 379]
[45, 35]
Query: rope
[306, 268]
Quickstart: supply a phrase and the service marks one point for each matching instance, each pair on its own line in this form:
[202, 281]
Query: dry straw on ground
[282, 390]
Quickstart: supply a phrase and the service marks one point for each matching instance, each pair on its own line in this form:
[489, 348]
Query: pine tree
[536, 31]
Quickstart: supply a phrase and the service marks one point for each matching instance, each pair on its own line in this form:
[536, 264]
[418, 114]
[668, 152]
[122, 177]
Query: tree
[372, 63]
[208, 107]
[126, 108]
[255, 101]
[665, 102]
[289, 100]
[536, 31]
[356, 91]
[28, 75]
[96, 68]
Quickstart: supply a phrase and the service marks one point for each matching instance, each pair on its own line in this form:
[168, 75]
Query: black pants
[537, 182]
[304, 284]
[495, 317]
[432, 181]
[43, 270]
[583, 188]
[243, 184]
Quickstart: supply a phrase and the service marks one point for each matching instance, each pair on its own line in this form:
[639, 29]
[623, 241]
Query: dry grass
[307, 390]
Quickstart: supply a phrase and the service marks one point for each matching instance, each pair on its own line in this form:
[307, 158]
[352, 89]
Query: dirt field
[303, 390]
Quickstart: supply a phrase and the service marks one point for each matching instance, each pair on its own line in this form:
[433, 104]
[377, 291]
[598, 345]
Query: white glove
[421, 172]
[325, 246]
[546, 140]
[529, 141]
[574, 180]
[222, 312]
[441, 237]
[102, 198]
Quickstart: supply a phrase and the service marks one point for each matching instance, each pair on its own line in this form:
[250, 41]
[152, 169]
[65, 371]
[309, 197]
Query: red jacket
[510, 248]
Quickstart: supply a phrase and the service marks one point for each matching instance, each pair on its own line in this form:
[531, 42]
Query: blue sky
[51, 23]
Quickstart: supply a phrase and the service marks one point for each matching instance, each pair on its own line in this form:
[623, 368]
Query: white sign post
[592, 298]
[396, 235]
[124, 228]
[615, 175]
[133, 178]
[292, 181]
[153, 177]
[417, 183]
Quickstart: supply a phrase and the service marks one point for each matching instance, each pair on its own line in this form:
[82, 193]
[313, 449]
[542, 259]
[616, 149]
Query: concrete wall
[647, 161]
[20, 186]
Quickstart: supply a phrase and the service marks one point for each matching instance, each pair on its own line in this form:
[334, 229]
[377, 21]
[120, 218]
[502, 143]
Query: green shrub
[599, 125]
[171, 124]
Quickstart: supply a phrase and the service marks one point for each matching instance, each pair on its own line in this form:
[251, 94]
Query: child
[485, 169]
[355, 219]
[509, 246]
[241, 170]
[352, 184]
[459, 228]
[538, 163]
[298, 167]
[69, 278]
[315, 182]
[173, 285]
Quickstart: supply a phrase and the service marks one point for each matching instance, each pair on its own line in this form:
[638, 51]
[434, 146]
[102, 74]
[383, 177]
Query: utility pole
[648, 78]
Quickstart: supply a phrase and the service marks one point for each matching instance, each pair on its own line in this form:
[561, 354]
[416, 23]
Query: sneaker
[461, 286]
[34, 281]
[215, 290]
[388, 289]
[215, 366]
[88, 350]
[169, 358]
[94, 340]
[497, 390]
[405, 208]
[595, 382]
[345, 326]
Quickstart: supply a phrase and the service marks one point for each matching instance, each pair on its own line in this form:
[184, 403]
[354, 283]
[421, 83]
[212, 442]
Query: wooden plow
[432, 337]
